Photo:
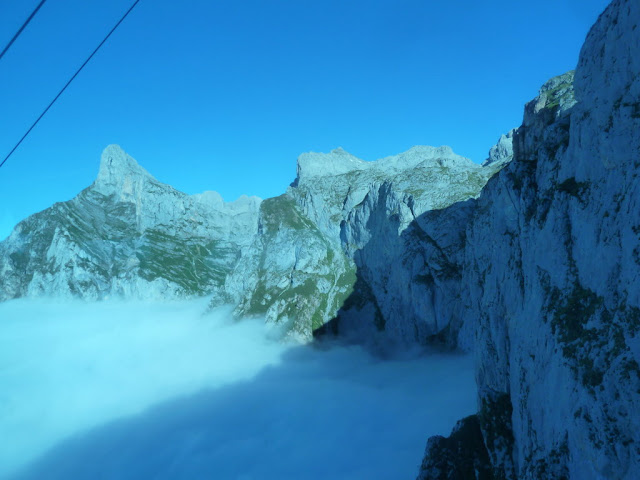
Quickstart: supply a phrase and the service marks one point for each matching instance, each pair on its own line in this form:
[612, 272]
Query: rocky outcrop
[291, 274]
[461, 456]
[502, 152]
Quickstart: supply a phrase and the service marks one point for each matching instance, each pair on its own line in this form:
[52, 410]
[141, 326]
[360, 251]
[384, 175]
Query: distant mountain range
[295, 258]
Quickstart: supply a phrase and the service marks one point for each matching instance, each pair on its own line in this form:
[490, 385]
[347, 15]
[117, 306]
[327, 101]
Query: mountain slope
[126, 235]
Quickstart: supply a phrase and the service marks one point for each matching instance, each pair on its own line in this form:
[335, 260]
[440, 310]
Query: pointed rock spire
[118, 170]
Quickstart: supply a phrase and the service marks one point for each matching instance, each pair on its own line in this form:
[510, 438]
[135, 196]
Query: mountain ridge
[162, 242]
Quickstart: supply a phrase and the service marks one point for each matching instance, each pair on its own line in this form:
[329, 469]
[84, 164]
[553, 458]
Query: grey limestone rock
[126, 235]
[460, 456]
[345, 245]
[552, 273]
[502, 152]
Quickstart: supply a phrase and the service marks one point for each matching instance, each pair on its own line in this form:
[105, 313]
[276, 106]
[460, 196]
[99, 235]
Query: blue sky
[225, 95]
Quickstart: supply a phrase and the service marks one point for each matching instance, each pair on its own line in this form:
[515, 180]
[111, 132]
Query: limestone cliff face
[127, 235]
[513, 245]
[405, 261]
[341, 246]
[552, 273]
[291, 274]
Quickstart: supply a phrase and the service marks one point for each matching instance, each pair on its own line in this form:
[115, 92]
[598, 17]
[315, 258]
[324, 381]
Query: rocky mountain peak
[336, 162]
[502, 152]
[556, 96]
[339, 162]
[118, 171]
[442, 156]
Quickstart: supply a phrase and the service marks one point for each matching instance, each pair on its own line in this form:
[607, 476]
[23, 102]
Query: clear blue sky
[224, 95]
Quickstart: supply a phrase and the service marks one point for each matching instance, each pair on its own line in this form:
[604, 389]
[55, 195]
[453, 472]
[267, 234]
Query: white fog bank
[140, 390]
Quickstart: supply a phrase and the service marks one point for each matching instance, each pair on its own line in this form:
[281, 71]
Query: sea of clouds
[159, 390]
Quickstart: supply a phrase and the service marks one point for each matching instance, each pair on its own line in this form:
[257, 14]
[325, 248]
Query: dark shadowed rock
[460, 456]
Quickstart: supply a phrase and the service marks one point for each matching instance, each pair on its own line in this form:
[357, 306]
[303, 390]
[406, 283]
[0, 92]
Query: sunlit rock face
[552, 266]
[347, 242]
[291, 274]
[374, 211]
[126, 235]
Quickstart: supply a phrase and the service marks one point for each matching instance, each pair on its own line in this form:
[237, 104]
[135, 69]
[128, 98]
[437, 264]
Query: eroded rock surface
[552, 269]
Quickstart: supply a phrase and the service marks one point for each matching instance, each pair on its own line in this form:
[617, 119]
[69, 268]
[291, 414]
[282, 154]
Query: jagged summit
[557, 95]
[502, 152]
[121, 174]
[118, 170]
[442, 156]
[339, 161]
[336, 162]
